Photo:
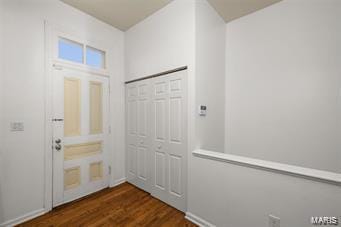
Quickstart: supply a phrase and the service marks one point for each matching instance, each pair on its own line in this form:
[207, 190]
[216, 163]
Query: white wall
[185, 33]
[22, 167]
[283, 84]
[210, 76]
[283, 103]
[163, 41]
[227, 195]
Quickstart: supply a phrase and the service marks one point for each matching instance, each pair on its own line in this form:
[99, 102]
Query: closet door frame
[167, 142]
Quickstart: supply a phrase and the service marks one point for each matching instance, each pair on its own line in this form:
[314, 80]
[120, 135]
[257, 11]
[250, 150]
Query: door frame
[51, 32]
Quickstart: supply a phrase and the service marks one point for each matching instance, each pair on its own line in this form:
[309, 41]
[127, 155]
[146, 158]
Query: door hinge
[109, 170]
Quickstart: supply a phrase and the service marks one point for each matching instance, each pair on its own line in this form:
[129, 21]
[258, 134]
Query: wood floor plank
[124, 205]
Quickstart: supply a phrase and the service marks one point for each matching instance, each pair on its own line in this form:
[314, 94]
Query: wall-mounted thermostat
[202, 110]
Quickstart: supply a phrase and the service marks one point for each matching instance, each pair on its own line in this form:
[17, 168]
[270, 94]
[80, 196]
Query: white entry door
[80, 134]
[169, 139]
[138, 134]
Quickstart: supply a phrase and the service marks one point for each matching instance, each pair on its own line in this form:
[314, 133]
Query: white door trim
[50, 61]
[48, 119]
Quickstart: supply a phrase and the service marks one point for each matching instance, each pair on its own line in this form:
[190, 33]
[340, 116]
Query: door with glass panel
[80, 134]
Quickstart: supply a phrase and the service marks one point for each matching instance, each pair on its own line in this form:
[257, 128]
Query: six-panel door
[157, 137]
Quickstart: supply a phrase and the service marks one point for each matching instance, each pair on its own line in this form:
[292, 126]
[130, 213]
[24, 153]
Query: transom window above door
[79, 53]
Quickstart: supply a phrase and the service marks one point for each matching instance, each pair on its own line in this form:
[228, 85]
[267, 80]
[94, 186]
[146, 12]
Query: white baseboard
[23, 218]
[197, 220]
[118, 182]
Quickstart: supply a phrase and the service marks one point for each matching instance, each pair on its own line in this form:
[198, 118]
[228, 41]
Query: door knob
[159, 147]
[58, 141]
[58, 147]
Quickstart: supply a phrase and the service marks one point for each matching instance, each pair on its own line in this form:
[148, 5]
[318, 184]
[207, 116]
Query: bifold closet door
[169, 139]
[138, 134]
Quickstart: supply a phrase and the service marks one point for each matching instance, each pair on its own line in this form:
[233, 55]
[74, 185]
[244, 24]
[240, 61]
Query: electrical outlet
[274, 221]
[17, 126]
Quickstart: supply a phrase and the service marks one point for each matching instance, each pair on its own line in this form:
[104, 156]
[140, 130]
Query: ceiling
[123, 14]
[233, 9]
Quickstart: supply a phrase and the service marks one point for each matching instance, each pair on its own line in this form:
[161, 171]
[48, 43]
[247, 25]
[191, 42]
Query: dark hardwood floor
[124, 205]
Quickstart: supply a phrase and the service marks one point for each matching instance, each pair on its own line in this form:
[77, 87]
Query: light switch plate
[17, 126]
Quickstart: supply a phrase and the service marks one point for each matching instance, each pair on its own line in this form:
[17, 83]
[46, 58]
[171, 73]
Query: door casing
[52, 32]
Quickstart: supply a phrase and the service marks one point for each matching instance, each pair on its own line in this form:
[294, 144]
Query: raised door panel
[143, 88]
[96, 171]
[132, 117]
[96, 107]
[160, 170]
[132, 92]
[143, 117]
[77, 151]
[160, 88]
[175, 115]
[72, 178]
[132, 159]
[72, 106]
[160, 119]
[175, 175]
[142, 163]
